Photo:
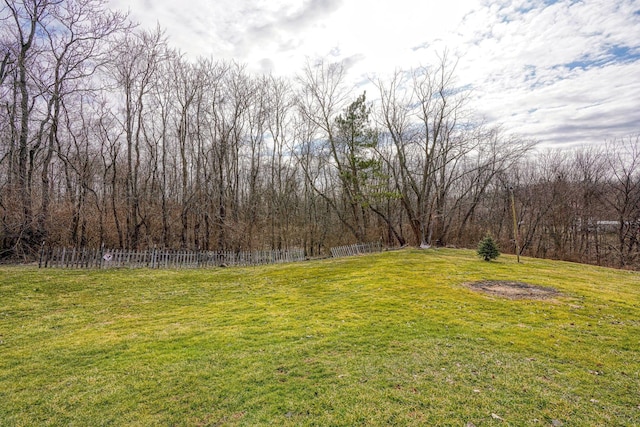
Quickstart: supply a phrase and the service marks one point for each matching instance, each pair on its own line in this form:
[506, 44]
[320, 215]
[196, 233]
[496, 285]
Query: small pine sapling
[488, 249]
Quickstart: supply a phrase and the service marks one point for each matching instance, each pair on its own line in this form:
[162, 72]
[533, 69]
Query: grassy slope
[391, 338]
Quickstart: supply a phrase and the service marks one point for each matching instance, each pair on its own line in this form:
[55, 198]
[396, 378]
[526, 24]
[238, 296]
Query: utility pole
[515, 223]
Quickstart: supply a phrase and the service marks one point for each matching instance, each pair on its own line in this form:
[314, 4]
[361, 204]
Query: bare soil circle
[513, 290]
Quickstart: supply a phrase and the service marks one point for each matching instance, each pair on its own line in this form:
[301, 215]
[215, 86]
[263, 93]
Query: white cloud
[547, 69]
[549, 72]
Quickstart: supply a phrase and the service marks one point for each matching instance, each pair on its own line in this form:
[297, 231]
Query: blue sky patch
[624, 53]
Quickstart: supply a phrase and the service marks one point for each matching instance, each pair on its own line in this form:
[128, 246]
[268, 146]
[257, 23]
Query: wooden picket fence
[357, 249]
[165, 258]
[161, 258]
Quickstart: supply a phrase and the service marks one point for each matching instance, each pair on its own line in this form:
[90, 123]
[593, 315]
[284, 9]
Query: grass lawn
[387, 339]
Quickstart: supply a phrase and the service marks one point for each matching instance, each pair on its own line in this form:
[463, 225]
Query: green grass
[386, 339]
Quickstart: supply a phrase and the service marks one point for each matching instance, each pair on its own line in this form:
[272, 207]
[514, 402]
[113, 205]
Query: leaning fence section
[161, 258]
[164, 258]
[357, 249]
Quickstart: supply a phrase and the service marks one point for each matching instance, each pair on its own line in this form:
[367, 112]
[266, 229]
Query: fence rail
[357, 249]
[161, 258]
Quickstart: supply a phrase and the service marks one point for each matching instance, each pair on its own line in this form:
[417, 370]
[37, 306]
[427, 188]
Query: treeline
[109, 136]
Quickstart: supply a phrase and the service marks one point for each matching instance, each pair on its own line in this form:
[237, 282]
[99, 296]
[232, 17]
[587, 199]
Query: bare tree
[25, 19]
[422, 114]
[283, 190]
[495, 154]
[77, 41]
[623, 196]
[590, 175]
[5, 64]
[134, 69]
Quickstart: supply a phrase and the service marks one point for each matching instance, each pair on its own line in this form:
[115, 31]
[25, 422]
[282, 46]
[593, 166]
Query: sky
[563, 73]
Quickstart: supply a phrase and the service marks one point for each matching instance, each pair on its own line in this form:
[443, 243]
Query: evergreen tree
[352, 147]
[488, 249]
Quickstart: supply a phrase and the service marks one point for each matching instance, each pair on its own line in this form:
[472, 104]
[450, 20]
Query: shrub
[488, 249]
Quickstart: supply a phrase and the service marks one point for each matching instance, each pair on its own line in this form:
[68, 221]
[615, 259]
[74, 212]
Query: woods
[109, 136]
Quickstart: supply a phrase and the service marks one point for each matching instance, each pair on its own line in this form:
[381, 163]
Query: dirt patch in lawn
[513, 290]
